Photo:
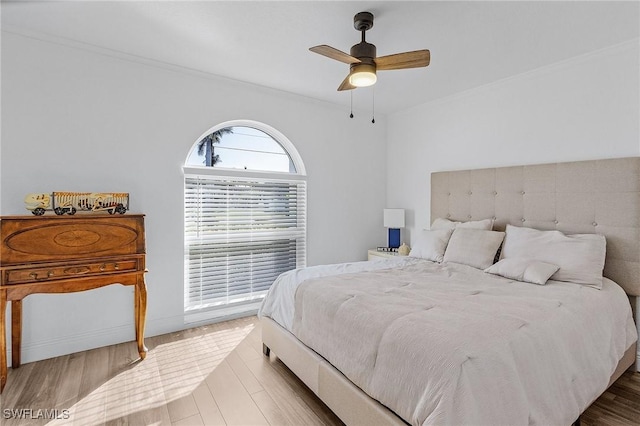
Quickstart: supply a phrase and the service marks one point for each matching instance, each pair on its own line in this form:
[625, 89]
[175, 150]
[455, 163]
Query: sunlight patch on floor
[169, 372]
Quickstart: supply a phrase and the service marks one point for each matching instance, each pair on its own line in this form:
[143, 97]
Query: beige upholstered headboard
[599, 196]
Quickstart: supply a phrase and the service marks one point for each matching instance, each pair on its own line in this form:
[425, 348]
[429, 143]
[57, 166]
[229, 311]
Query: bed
[494, 350]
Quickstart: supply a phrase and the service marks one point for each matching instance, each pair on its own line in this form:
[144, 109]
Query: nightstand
[373, 254]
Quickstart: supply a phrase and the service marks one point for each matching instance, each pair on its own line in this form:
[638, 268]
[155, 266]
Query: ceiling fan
[362, 60]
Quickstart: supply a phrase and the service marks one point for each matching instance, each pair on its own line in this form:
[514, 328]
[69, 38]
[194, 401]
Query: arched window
[244, 217]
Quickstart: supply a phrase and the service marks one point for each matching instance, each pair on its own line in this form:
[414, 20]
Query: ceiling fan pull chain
[373, 106]
[351, 115]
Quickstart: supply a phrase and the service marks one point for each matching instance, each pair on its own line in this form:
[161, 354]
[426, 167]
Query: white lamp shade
[394, 218]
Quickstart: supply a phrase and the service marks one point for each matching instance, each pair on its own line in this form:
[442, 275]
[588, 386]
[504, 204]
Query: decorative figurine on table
[71, 202]
[37, 203]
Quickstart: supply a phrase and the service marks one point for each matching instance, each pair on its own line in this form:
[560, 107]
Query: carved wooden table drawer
[62, 254]
[56, 271]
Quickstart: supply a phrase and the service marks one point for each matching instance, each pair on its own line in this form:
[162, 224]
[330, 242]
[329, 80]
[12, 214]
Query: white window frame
[204, 314]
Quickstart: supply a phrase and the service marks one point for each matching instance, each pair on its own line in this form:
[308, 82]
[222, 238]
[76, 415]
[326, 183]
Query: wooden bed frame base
[345, 399]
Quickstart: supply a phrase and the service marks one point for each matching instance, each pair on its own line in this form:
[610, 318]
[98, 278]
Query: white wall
[580, 109]
[83, 121]
[80, 120]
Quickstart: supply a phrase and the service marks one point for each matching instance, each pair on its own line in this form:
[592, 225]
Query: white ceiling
[266, 43]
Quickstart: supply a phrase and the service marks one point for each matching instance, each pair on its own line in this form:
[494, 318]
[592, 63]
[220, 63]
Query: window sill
[207, 316]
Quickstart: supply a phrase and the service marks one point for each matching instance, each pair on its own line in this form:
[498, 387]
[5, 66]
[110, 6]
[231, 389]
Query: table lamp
[394, 220]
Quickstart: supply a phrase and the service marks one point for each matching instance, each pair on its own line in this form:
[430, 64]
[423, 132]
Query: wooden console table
[64, 254]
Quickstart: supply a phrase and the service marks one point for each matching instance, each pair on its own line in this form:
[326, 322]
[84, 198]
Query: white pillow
[579, 256]
[473, 247]
[440, 223]
[430, 245]
[527, 270]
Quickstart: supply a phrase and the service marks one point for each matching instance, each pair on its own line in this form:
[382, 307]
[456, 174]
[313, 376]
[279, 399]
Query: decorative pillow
[440, 223]
[579, 256]
[430, 245]
[473, 247]
[527, 270]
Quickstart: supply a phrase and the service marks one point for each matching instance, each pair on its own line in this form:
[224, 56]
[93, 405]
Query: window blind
[240, 234]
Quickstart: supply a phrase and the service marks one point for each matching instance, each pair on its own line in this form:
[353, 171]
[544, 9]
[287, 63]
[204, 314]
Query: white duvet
[449, 344]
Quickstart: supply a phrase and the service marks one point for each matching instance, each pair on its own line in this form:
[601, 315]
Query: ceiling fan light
[363, 75]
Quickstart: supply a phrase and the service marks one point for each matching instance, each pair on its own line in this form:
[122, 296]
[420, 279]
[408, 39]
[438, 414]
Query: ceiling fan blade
[345, 85]
[415, 59]
[333, 53]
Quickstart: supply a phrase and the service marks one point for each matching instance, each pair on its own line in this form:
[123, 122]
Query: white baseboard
[63, 345]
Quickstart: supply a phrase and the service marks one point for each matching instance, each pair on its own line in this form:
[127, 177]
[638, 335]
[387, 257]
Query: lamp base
[394, 237]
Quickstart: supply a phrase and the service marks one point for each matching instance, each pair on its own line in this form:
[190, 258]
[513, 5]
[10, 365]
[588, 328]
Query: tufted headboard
[599, 196]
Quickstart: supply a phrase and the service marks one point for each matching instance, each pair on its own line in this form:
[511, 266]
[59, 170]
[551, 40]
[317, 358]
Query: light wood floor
[211, 375]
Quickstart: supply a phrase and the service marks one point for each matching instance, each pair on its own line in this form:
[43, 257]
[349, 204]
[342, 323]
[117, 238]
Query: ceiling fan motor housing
[364, 51]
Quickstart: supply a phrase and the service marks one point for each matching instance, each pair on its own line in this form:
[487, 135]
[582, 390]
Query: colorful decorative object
[71, 202]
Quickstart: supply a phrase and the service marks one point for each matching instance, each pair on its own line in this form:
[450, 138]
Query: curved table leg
[141, 315]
